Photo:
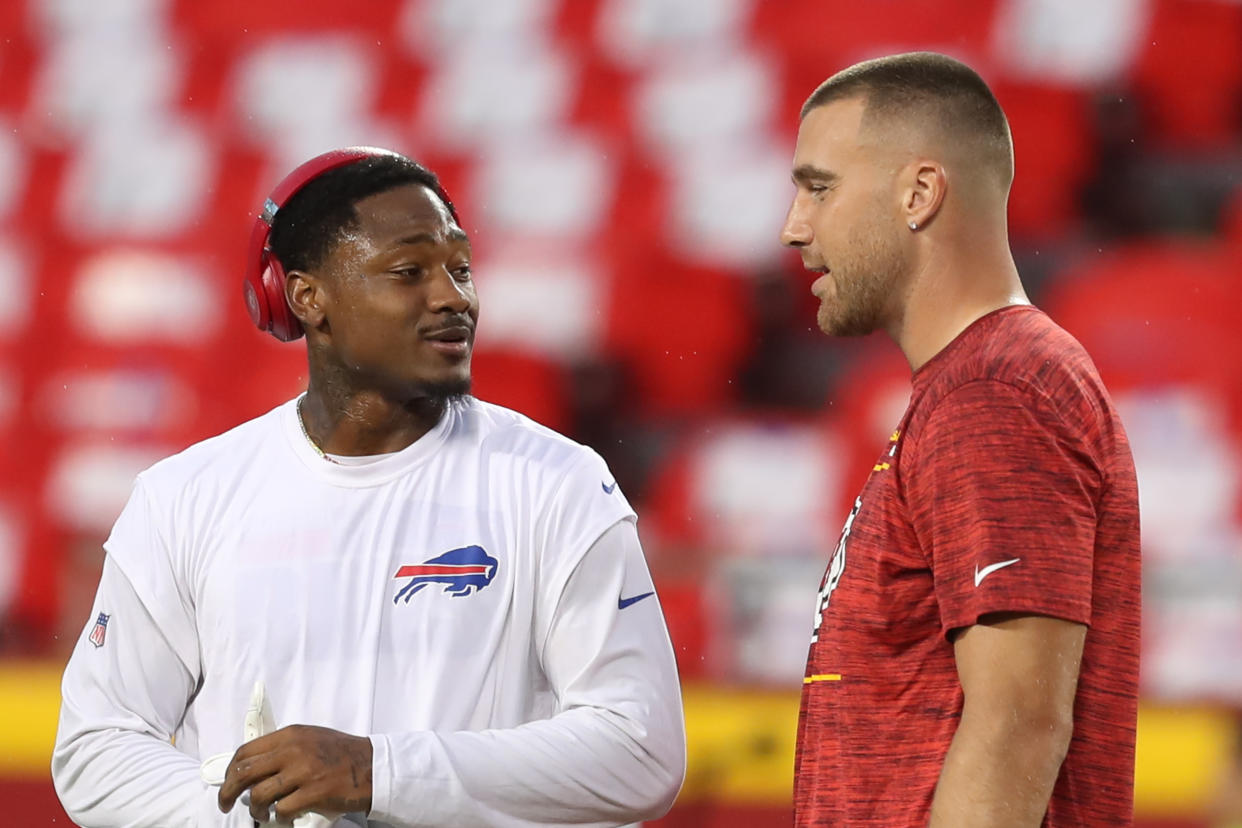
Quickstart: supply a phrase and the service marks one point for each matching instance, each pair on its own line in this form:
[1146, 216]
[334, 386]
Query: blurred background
[623, 169]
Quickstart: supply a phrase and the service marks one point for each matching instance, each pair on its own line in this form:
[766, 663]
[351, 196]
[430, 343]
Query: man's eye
[461, 272]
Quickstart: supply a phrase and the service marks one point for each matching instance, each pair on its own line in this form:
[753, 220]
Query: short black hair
[925, 85]
[317, 216]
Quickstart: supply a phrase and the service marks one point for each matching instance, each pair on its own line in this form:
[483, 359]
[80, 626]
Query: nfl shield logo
[99, 630]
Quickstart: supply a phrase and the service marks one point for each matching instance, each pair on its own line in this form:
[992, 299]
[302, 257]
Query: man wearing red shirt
[975, 654]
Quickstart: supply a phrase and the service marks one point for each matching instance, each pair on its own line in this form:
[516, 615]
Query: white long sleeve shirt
[474, 603]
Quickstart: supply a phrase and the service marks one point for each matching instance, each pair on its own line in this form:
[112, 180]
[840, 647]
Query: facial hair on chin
[863, 288]
[444, 392]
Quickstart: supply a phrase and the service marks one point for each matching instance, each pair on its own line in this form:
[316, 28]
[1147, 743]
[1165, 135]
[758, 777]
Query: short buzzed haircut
[931, 87]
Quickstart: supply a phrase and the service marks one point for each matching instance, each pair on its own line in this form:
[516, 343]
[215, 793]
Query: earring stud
[914, 225]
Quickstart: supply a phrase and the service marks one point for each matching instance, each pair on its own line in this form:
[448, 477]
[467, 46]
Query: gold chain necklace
[306, 434]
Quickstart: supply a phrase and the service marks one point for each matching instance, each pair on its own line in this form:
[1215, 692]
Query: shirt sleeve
[614, 752]
[124, 694]
[1003, 496]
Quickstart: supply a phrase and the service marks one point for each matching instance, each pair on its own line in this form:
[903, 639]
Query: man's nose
[796, 232]
[448, 294]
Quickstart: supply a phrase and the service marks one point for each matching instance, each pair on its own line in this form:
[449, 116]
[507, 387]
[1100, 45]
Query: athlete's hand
[298, 769]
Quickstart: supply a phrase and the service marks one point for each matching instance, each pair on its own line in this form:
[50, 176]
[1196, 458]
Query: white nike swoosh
[980, 574]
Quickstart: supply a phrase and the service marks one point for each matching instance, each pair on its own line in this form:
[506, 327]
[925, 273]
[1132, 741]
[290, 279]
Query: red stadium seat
[839, 32]
[746, 505]
[255, 20]
[574, 23]
[1153, 316]
[682, 329]
[601, 98]
[683, 601]
[1160, 321]
[642, 208]
[18, 60]
[1159, 317]
[865, 406]
[816, 38]
[524, 382]
[1153, 313]
[207, 77]
[1189, 73]
[1053, 156]
[1231, 219]
[36, 604]
[19, 289]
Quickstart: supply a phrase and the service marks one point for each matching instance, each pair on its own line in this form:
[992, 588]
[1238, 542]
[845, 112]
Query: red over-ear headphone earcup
[264, 285]
[281, 321]
[255, 287]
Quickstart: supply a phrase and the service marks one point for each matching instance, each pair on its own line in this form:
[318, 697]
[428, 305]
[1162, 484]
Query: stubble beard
[864, 286]
[421, 392]
[445, 392]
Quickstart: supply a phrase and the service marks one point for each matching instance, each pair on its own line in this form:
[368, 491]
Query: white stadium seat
[144, 177]
[636, 33]
[132, 296]
[556, 188]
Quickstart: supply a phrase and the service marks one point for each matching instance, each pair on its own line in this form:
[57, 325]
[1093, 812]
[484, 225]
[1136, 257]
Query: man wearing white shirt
[446, 603]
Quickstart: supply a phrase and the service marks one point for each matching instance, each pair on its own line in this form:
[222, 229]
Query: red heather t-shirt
[1008, 487]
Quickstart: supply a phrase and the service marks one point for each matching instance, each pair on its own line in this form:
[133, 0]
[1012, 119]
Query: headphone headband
[264, 285]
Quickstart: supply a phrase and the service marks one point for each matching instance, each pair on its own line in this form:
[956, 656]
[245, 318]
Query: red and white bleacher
[622, 166]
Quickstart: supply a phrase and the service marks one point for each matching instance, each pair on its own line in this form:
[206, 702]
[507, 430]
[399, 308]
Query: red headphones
[265, 278]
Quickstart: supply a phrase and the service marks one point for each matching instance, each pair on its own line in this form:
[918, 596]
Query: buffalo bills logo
[462, 571]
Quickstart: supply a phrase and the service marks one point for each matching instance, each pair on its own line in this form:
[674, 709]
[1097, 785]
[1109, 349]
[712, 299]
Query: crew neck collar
[968, 333]
[382, 468]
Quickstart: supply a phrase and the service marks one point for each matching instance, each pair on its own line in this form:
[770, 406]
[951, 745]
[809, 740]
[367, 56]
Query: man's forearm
[581, 767]
[117, 777]
[1000, 770]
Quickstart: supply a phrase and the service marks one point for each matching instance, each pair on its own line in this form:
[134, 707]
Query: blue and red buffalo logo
[462, 571]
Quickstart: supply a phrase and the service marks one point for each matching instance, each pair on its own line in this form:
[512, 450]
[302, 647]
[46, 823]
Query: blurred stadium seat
[622, 166]
[1159, 319]
[1190, 76]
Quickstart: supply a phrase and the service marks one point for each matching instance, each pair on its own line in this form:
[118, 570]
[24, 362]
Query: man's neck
[360, 423]
[947, 294]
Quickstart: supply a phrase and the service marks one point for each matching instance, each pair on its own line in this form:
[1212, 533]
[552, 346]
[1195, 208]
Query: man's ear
[924, 196]
[307, 298]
